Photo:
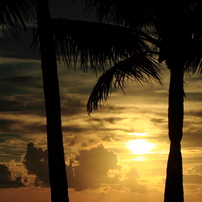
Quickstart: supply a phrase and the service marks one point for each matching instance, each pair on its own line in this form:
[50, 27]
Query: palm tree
[14, 14]
[15, 23]
[173, 32]
[56, 157]
[77, 40]
[131, 56]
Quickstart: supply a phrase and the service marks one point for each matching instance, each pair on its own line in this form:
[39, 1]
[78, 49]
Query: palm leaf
[123, 12]
[194, 58]
[95, 44]
[14, 14]
[195, 24]
[142, 69]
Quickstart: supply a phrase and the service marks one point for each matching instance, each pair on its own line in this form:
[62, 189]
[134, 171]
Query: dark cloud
[22, 104]
[194, 113]
[6, 124]
[192, 136]
[194, 97]
[72, 106]
[192, 159]
[75, 140]
[9, 106]
[111, 109]
[36, 163]
[19, 79]
[90, 172]
[102, 121]
[75, 129]
[34, 128]
[93, 168]
[160, 120]
[4, 137]
[26, 83]
[81, 141]
[6, 180]
[21, 127]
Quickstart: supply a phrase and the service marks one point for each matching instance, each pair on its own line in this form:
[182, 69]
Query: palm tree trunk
[57, 171]
[174, 178]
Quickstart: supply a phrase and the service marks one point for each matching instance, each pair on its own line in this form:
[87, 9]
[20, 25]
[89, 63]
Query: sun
[140, 146]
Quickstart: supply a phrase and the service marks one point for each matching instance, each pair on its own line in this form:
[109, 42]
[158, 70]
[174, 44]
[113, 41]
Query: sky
[118, 153]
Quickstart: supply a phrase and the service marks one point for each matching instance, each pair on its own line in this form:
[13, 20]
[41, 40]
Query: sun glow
[140, 146]
[138, 134]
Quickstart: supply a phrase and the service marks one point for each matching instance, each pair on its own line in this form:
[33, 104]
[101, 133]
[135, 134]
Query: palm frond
[194, 58]
[122, 12]
[14, 14]
[95, 44]
[141, 68]
[195, 22]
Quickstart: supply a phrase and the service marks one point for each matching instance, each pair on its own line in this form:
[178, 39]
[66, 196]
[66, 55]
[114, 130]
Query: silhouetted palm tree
[14, 14]
[56, 157]
[67, 38]
[76, 42]
[173, 32]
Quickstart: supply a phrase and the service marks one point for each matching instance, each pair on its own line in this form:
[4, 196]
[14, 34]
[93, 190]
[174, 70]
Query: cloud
[192, 137]
[155, 120]
[93, 167]
[36, 163]
[195, 113]
[194, 96]
[130, 182]
[88, 170]
[6, 125]
[72, 106]
[195, 170]
[158, 171]
[7, 105]
[20, 79]
[102, 121]
[6, 179]
[22, 104]
[192, 179]
[4, 137]
[21, 126]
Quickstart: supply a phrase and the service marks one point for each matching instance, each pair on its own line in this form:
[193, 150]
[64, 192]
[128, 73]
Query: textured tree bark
[57, 171]
[174, 178]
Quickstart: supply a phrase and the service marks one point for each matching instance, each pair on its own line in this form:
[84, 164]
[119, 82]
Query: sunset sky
[118, 153]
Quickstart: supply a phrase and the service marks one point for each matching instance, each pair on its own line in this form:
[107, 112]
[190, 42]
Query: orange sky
[120, 151]
[101, 145]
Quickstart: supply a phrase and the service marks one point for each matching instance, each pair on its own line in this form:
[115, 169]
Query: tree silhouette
[173, 33]
[140, 34]
[74, 42]
[14, 14]
[56, 157]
